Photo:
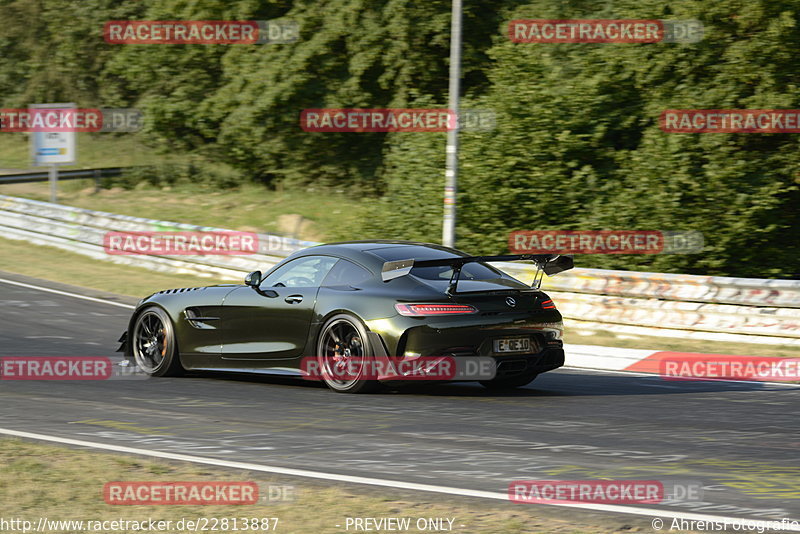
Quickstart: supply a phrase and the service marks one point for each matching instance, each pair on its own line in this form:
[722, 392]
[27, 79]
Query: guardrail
[42, 176]
[656, 304]
[715, 308]
[82, 231]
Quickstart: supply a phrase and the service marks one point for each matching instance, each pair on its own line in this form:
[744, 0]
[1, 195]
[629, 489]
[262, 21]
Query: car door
[272, 321]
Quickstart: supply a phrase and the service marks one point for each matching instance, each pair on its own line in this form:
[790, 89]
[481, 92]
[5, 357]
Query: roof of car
[368, 244]
[355, 249]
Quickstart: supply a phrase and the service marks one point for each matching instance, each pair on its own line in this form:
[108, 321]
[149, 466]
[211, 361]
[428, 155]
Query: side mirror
[253, 279]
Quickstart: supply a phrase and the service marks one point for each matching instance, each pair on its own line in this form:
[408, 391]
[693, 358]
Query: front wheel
[344, 355]
[509, 382]
[153, 344]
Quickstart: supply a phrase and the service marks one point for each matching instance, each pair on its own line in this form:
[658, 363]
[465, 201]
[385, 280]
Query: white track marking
[606, 371]
[67, 294]
[653, 512]
[654, 375]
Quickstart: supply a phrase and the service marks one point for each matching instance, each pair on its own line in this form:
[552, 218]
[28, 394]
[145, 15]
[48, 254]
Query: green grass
[69, 268]
[58, 483]
[309, 214]
[313, 214]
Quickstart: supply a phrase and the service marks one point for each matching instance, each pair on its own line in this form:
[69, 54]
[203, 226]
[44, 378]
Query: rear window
[470, 271]
[411, 251]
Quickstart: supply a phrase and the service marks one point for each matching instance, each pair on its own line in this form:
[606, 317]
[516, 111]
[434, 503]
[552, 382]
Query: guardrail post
[97, 174]
[53, 176]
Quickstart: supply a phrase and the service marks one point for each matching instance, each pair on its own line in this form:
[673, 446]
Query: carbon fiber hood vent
[181, 290]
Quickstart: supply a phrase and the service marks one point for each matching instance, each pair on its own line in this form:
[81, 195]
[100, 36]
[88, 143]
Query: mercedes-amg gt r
[359, 301]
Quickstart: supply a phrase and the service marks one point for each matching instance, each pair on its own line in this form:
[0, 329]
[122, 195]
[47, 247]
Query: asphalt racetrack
[739, 441]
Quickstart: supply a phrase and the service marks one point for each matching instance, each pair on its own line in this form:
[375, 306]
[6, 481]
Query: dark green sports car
[336, 304]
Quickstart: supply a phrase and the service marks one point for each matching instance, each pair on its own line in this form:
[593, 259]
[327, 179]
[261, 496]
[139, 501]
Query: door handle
[294, 299]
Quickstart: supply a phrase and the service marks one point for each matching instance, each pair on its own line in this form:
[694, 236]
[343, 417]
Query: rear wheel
[510, 382]
[153, 344]
[344, 355]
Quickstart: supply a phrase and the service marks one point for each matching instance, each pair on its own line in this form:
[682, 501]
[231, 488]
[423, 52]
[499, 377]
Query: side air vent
[181, 290]
[195, 317]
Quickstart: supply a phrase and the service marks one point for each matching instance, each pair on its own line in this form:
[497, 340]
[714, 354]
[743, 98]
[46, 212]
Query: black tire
[153, 344]
[341, 337]
[509, 382]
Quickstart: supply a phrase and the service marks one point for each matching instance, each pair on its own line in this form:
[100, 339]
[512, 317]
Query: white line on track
[67, 294]
[607, 371]
[653, 512]
[658, 377]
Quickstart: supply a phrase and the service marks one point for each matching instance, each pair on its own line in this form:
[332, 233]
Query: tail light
[422, 310]
[548, 305]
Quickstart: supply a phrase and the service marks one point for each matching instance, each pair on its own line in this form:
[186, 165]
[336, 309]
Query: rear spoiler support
[549, 264]
[453, 286]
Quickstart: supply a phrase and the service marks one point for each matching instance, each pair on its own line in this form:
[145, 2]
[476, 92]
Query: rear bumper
[529, 364]
[458, 338]
[545, 332]
[506, 366]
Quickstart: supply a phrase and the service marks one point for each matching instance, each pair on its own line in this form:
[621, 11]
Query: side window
[308, 271]
[346, 273]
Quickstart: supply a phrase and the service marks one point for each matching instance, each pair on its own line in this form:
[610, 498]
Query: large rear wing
[549, 264]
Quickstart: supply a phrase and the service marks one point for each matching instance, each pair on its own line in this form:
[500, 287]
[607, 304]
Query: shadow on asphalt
[557, 384]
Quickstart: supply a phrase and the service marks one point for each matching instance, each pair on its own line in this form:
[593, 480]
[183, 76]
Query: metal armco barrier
[702, 307]
[712, 289]
[43, 176]
[82, 231]
[660, 304]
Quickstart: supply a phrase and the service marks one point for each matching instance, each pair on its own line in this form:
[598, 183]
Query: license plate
[515, 344]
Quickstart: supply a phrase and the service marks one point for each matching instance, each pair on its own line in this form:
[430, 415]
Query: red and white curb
[648, 361]
[605, 358]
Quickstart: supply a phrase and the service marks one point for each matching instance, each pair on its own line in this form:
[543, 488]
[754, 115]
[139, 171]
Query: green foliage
[197, 171]
[53, 51]
[577, 143]
[351, 54]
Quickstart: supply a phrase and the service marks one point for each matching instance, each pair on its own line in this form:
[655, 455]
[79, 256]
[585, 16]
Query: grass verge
[308, 214]
[66, 267]
[38, 480]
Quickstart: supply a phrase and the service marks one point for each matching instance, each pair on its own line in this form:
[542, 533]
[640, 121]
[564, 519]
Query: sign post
[451, 154]
[53, 148]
